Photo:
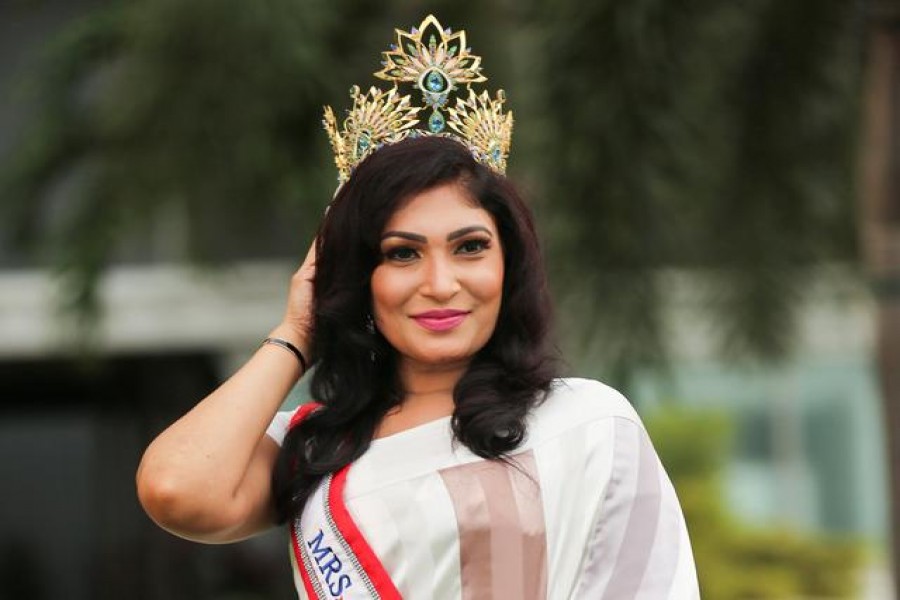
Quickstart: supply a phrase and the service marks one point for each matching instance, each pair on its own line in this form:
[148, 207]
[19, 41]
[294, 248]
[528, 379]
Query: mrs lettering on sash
[329, 566]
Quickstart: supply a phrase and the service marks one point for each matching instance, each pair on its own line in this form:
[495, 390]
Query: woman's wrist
[282, 343]
[293, 337]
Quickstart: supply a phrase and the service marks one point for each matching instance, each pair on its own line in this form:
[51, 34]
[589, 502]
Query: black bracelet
[288, 346]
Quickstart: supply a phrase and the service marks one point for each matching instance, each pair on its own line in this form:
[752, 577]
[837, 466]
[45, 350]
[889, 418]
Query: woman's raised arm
[207, 477]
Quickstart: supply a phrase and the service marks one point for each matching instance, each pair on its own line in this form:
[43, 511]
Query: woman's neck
[428, 395]
[422, 382]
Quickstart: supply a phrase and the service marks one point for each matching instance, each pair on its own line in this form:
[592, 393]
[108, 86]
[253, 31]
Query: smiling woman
[421, 249]
[437, 292]
[443, 458]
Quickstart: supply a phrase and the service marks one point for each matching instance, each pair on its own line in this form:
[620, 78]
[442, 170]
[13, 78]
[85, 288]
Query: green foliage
[209, 109]
[698, 134]
[736, 561]
[781, 564]
[649, 134]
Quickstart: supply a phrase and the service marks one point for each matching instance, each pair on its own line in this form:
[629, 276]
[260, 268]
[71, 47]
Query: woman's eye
[401, 254]
[473, 246]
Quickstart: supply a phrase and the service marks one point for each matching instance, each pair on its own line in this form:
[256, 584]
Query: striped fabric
[584, 510]
[500, 522]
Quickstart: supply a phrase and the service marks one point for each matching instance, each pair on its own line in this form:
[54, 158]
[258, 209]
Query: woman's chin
[441, 360]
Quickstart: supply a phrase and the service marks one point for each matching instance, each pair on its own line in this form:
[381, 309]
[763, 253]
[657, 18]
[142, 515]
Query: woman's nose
[440, 279]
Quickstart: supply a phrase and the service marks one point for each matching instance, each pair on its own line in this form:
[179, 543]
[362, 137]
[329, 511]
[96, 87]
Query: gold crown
[437, 62]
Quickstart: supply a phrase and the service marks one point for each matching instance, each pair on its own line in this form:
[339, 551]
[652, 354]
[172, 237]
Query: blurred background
[717, 186]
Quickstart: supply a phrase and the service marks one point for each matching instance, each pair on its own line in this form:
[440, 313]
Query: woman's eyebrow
[467, 230]
[415, 237]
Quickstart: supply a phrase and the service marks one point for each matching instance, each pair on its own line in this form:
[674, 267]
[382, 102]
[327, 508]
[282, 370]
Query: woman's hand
[297, 324]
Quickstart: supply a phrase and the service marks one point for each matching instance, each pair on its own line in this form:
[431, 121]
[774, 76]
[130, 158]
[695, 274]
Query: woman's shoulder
[576, 401]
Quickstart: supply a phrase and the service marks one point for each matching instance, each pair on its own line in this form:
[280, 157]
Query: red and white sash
[334, 559]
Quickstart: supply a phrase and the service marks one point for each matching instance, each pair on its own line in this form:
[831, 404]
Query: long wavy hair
[356, 377]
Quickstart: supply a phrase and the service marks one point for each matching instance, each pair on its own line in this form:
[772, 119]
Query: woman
[442, 459]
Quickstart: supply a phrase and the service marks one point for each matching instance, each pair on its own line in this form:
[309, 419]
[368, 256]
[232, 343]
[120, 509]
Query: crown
[436, 62]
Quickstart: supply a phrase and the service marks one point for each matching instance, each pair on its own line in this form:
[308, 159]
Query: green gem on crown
[362, 143]
[435, 82]
[436, 122]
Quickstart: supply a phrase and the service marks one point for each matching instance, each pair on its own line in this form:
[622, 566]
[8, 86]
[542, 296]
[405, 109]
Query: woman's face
[436, 293]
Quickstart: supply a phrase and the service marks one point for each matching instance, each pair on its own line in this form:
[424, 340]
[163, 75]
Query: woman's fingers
[299, 311]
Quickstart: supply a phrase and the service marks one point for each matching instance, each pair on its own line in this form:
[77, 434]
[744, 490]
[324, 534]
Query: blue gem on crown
[436, 122]
[435, 82]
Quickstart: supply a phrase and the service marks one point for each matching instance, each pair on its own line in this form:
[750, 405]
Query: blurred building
[808, 449]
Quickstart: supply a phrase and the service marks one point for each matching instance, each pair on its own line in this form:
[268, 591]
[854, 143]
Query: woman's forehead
[443, 207]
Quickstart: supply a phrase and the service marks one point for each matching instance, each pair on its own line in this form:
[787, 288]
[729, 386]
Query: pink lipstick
[440, 320]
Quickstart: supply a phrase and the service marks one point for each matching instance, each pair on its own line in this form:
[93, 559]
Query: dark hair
[356, 377]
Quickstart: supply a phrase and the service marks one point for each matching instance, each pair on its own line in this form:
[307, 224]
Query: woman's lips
[440, 320]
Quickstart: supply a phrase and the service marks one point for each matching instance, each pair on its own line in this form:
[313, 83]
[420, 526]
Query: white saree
[586, 512]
